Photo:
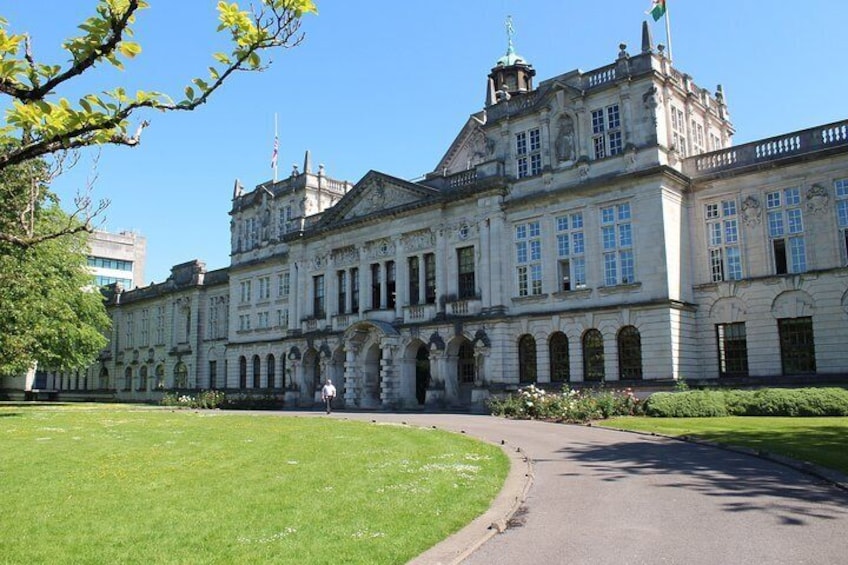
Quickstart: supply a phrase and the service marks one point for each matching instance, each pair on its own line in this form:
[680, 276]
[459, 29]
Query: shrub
[688, 404]
[763, 402]
[205, 399]
[568, 405]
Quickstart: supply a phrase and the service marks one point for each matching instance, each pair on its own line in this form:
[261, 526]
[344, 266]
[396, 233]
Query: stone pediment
[375, 194]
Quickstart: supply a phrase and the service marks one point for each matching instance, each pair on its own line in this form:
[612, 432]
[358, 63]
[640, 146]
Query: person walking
[328, 393]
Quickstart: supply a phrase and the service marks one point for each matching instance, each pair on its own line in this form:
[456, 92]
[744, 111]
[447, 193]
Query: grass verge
[113, 484]
[818, 440]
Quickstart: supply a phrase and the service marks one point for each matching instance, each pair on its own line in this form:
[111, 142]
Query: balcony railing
[771, 149]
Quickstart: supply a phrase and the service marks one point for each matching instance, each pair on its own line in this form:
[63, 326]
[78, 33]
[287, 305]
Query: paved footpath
[598, 496]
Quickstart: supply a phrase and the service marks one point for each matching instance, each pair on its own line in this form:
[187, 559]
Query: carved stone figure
[565, 139]
[751, 211]
[817, 199]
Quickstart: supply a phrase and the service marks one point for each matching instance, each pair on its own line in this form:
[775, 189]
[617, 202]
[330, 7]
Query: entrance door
[422, 374]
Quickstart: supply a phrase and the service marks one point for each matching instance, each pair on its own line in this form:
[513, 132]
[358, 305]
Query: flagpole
[276, 146]
[668, 31]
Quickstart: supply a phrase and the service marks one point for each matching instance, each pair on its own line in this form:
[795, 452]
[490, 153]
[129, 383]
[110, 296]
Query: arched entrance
[373, 366]
[371, 374]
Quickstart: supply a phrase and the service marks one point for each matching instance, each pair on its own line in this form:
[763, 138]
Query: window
[526, 359]
[257, 372]
[606, 132]
[318, 310]
[841, 188]
[142, 378]
[786, 231]
[283, 285]
[213, 375]
[467, 287]
[242, 372]
[283, 318]
[466, 366]
[715, 142]
[244, 322]
[732, 350]
[558, 348]
[678, 130]
[528, 251]
[213, 321]
[593, 356]
[106, 263]
[264, 288]
[285, 221]
[528, 151]
[128, 377]
[262, 320]
[570, 250]
[414, 269]
[629, 353]
[181, 375]
[376, 295]
[430, 278]
[391, 284]
[342, 296]
[252, 232]
[144, 335]
[617, 238]
[129, 329]
[797, 346]
[723, 241]
[244, 291]
[270, 368]
[160, 325]
[697, 137]
[354, 290]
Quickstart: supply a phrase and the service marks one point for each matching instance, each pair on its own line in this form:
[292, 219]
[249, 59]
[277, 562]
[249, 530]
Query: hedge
[763, 402]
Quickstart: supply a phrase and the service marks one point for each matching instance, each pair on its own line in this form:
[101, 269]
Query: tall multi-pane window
[528, 153]
[143, 333]
[245, 288]
[213, 320]
[527, 359]
[678, 130]
[342, 296]
[593, 356]
[466, 284]
[629, 353]
[558, 350]
[391, 284]
[354, 290]
[262, 320]
[264, 288]
[528, 258]
[283, 285]
[697, 137]
[285, 221]
[786, 230]
[430, 278]
[375, 286]
[841, 189]
[318, 304]
[129, 330]
[723, 241]
[732, 350]
[617, 239]
[570, 251]
[606, 131]
[160, 325]
[797, 345]
[414, 269]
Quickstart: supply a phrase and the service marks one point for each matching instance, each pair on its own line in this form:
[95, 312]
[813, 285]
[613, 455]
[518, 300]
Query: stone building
[596, 227]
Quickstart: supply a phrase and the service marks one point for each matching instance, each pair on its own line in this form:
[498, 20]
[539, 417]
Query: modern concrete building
[596, 227]
[118, 258]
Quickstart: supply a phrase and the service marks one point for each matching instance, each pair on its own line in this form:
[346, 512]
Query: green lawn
[116, 484]
[823, 441]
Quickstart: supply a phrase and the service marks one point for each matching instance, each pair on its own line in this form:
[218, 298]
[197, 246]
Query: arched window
[181, 375]
[283, 377]
[526, 359]
[242, 372]
[160, 377]
[316, 371]
[257, 372]
[593, 356]
[142, 378]
[629, 353]
[466, 367]
[558, 346]
[269, 361]
[104, 378]
[127, 379]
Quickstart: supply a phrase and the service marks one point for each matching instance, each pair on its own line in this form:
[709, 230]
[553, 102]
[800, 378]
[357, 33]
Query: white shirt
[328, 390]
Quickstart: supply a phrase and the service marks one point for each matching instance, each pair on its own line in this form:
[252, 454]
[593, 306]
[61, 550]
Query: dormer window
[528, 153]
[606, 132]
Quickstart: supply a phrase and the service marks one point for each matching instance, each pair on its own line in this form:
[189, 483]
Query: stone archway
[372, 358]
[372, 369]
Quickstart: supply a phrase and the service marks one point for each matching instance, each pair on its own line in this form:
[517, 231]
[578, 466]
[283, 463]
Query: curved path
[599, 496]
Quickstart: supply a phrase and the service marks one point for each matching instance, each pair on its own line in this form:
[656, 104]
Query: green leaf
[129, 49]
[189, 92]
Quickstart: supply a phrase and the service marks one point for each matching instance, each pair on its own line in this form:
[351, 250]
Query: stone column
[441, 264]
[351, 375]
[436, 391]
[485, 264]
[422, 280]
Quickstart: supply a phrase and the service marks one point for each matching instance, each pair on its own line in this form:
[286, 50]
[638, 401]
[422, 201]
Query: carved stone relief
[793, 304]
[415, 241]
[380, 248]
[565, 139]
[817, 199]
[751, 211]
[345, 256]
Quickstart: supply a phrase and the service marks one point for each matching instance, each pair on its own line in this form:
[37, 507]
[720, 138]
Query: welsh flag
[657, 9]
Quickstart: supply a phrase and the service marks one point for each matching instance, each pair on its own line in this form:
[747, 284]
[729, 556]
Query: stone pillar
[485, 265]
[575, 358]
[441, 264]
[352, 376]
[436, 391]
[295, 299]
[388, 374]
[422, 280]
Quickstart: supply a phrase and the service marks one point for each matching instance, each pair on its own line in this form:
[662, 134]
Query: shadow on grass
[742, 482]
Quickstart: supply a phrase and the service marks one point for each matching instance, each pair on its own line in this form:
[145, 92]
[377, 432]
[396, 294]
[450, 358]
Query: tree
[50, 314]
[41, 122]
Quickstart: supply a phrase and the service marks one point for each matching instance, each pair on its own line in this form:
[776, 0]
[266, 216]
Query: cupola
[511, 75]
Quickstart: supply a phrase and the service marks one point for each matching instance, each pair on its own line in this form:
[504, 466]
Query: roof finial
[510, 31]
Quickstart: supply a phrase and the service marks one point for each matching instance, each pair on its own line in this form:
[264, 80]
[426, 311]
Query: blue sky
[387, 85]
